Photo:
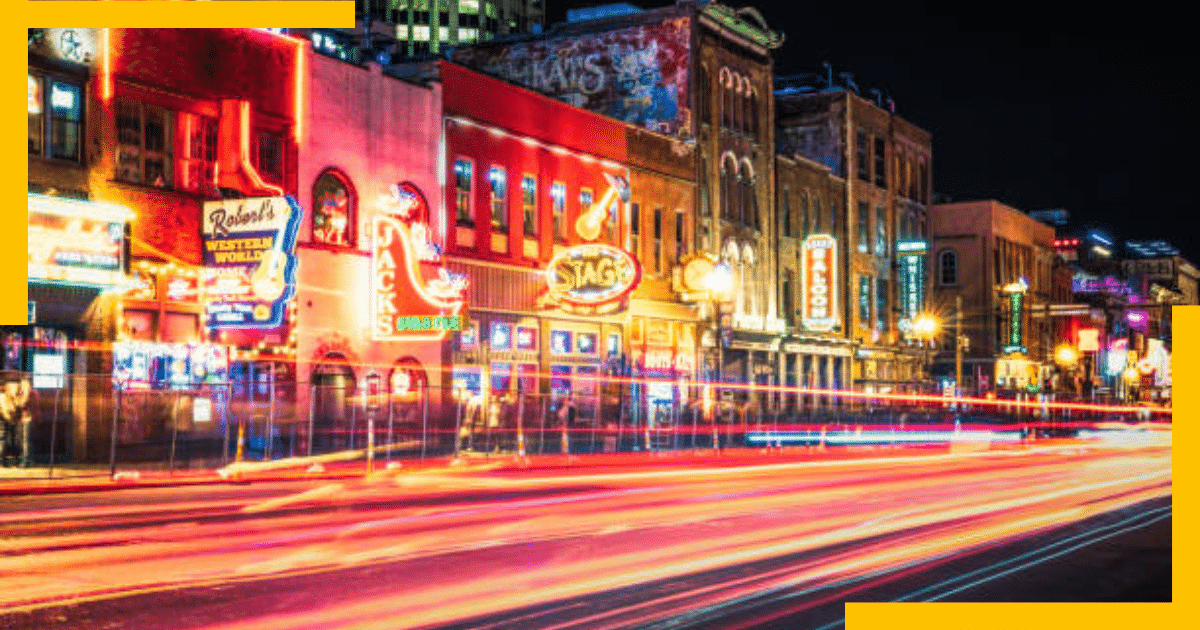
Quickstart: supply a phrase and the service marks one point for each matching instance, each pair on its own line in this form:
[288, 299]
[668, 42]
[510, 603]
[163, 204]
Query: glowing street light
[1066, 355]
[926, 326]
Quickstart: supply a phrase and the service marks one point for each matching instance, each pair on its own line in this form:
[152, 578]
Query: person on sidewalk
[15, 417]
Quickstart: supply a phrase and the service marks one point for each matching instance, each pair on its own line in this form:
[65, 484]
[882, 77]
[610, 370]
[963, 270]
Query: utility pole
[958, 344]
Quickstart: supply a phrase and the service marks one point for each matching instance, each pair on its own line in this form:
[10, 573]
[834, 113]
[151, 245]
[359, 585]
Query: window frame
[351, 209]
[947, 253]
[498, 199]
[166, 154]
[529, 208]
[49, 122]
[463, 197]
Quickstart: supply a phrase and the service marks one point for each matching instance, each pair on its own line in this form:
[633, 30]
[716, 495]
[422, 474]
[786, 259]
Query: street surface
[741, 540]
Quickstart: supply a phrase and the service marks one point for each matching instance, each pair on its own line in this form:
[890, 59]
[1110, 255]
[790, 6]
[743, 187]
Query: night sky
[1028, 104]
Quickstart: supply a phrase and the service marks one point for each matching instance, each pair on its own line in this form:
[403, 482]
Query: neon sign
[819, 272]
[592, 274]
[250, 268]
[406, 304]
[76, 242]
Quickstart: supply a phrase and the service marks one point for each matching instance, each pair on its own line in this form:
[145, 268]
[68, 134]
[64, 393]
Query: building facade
[999, 261]
[886, 164]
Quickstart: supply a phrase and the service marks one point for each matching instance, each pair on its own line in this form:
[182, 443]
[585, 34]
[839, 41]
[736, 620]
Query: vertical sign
[250, 266]
[912, 278]
[1015, 333]
[819, 273]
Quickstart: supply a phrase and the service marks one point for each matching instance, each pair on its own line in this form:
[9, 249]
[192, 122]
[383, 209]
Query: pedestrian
[15, 417]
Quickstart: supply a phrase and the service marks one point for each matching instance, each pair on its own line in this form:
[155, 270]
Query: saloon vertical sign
[250, 269]
[819, 271]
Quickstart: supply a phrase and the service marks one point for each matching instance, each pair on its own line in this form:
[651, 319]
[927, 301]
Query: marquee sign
[911, 259]
[74, 242]
[592, 274]
[250, 266]
[412, 297]
[819, 274]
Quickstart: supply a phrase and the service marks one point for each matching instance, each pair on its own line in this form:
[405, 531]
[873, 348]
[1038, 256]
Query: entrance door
[332, 401]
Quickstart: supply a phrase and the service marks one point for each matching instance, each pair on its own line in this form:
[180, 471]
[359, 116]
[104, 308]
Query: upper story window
[816, 214]
[267, 155]
[680, 239]
[635, 228]
[464, 213]
[498, 180]
[55, 117]
[948, 267]
[144, 144]
[861, 157]
[529, 205]
[881, 242]
[864, 228]
[785, 212]
[197, 165]
[880, 162]
[334, 209]
[558, 200]
[805, 225]
[658, 220]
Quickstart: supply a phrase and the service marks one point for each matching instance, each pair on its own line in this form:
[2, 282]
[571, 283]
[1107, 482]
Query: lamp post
[719, 282]
[926, 327]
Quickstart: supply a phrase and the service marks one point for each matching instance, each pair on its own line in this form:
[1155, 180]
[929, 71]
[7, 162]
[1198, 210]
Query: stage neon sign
[592, 274]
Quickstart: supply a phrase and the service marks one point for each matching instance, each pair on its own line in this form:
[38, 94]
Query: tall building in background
[414, 28]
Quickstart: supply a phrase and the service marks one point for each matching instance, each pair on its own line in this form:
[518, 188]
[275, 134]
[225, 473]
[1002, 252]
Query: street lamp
[1066, 355]
[719, 284]
[926, 327]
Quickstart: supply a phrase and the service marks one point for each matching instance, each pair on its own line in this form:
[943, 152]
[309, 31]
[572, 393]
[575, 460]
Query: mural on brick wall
[638, 75]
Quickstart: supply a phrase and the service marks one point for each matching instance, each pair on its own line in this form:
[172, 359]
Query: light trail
[489, 544]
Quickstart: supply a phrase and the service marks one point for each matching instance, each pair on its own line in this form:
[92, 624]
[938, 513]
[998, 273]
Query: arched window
[335, 209]
[705, 95]
[816, 214]
[948, 267]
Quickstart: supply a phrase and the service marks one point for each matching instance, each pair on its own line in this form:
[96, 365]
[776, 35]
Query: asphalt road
[774, 544]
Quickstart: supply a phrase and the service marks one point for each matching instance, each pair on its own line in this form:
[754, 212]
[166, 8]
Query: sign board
[202, 410]
[592, 274]
[69, 244]
[638, 75]
[1016, 333]
[819, 276]
[250, 266]
[49, 370]
[1089, 340]
[413, 297]
[911, 259]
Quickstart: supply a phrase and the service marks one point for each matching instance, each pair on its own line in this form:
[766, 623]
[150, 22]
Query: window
[585, 200]
[805, 226]
[948, 267]
[529, 204]
[880, 162]
[144, 144]
[789, 312]
[861, 157]
[635, 228]
[833, 215]
[558, 201]
[680, 239]
[198, 166]
[64, 101]
[497, 180]
[464, 213]
[268, 154]
[923, 183]
[816, 214]
[864, 301]
[881, 247]
[881, 300]
[785, 219]
[864, 232]
[658, 212]
[334, 208]
[705, 95]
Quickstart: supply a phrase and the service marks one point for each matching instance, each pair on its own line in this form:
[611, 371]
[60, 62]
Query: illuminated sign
[49, 370]
[77, 242]
[592, 274]
[819, 273]
[1089, 340]
[1118, 357]
[250, 269]
[1015, 331]
[911, 256]
[146, 365]
[407, 288]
